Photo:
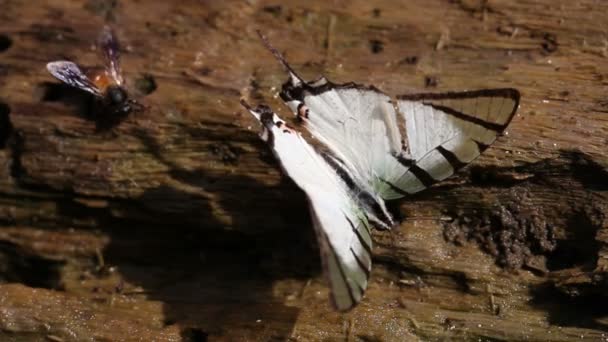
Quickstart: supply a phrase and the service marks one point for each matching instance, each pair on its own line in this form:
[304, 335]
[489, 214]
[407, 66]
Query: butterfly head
[266, 116]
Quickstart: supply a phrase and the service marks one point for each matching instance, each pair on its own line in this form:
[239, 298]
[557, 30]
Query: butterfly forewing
[358, 124]
[447, 131]
[70, 74]
[341, 226]
[481, 115]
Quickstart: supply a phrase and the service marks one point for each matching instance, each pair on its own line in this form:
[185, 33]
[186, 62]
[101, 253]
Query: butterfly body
[375, 148]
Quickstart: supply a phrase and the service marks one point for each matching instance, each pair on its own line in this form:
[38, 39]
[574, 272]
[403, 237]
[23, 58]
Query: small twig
[351, 331]
[444, 39]
[100, 261]
[54, 338]
[331, 23]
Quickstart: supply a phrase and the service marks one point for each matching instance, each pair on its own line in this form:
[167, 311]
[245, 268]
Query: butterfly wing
[446, 131]
[443, 131]
[70, 74]
[341, 227]
[109, 47]
[345, 242]
[359, 125]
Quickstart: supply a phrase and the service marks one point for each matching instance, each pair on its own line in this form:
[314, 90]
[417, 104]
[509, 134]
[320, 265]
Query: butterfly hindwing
[345, 244]
[341, 227]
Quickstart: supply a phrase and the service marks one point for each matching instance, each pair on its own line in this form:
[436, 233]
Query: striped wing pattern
[447, 131]
[379, 149]
[443, 131]
[341, 227]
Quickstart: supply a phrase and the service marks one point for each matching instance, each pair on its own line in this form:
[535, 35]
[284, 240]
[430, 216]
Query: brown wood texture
[177, 225]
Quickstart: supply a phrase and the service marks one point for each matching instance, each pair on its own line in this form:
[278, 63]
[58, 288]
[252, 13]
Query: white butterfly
[366, 162]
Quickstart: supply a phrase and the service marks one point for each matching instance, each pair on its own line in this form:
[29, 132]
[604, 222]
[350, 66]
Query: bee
[107, 84]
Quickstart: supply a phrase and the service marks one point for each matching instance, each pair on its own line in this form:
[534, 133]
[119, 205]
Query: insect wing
[70, 74]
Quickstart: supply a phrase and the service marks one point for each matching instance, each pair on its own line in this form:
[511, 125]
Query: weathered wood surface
[176, 225]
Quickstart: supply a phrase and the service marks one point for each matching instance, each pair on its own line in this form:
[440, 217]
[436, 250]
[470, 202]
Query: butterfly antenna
[295, 79]
[245, 104]
[251, 110]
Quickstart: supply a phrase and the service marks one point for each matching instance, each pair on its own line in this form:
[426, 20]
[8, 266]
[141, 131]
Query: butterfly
[106, 85]
[374, 149]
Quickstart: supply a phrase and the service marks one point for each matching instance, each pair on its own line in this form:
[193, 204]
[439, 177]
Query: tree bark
[176, 224]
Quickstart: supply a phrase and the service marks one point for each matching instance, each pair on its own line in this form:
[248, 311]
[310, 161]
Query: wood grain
[177, 225]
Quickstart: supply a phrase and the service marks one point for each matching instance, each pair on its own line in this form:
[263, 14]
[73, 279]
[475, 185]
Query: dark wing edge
[348, 280]
[448, 156]
[510, 93]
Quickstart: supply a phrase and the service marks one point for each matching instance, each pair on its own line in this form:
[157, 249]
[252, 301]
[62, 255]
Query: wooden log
[176, 223]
